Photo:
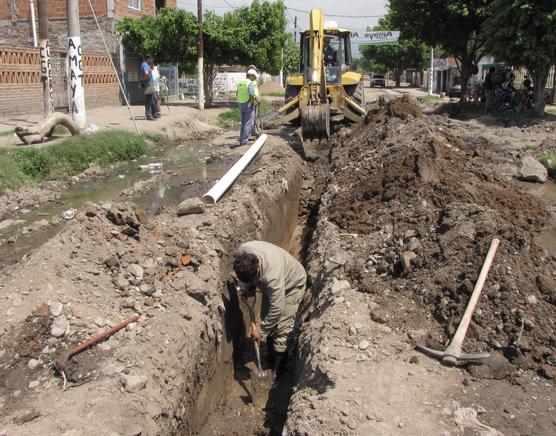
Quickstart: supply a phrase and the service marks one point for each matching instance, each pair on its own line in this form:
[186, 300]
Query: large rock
[191, 206]
[133, 383]
[532, 170]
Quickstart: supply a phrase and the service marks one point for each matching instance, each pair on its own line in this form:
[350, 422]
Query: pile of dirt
[421, 210]
[271, 88]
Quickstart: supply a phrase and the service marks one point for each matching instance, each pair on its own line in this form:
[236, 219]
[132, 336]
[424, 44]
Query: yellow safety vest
[243, 90]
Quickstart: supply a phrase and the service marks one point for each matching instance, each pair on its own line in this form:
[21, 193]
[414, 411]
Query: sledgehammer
[453, 354]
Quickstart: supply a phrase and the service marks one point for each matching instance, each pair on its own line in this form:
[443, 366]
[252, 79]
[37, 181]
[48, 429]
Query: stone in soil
[190, 206]
[59, 326]
[56, 308]
[532, 170]
[133, 383]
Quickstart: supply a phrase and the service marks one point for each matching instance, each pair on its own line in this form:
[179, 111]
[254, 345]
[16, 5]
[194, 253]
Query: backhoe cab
[326, 89]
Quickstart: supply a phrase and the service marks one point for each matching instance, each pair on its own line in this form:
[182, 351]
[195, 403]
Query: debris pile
[419, 210]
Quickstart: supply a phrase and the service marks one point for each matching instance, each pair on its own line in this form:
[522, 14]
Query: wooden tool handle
[102, 335]
[466, 319]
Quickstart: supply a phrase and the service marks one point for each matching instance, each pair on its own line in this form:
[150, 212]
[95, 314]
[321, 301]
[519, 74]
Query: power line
[336, 15]
[228, 3]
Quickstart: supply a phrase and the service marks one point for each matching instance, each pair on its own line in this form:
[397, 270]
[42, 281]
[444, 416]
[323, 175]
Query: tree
[408, 53]
[252, 34]
[457, 26]
[291, 55]
[170, 36]
[523, 33]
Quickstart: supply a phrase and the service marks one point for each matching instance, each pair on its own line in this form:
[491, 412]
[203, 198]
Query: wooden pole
[200, 62]
[46, 62]
[75, 63]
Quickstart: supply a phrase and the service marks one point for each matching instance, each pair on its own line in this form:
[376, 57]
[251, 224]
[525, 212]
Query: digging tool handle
[466, 319]
[258, 354]
[102, 335]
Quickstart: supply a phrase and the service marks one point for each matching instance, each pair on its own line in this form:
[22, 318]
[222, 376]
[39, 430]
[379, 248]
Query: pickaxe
[453, 354]
[62, 359]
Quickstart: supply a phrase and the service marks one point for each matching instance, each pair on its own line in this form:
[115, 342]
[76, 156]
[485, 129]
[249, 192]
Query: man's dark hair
[245, 267]
[147, 57]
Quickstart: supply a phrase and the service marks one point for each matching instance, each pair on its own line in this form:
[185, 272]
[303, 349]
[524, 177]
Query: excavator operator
[328, 52]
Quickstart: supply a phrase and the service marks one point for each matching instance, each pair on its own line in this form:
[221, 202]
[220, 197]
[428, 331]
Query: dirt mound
[405, 107]
[424, 209]
[270, 88]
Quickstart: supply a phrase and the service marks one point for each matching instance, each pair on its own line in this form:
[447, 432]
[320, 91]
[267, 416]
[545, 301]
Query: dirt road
[392, 220]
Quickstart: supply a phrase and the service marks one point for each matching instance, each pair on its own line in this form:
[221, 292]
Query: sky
[355, 8]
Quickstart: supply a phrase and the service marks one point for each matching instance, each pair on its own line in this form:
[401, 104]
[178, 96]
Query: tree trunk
[210, 74]
[44, 128]
[539, 80]
[465, 71]
[398, 74]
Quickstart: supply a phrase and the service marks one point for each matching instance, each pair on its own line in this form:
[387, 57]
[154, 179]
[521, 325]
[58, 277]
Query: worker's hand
[255, 333]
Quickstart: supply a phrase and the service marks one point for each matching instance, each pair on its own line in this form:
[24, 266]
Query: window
[134, 4]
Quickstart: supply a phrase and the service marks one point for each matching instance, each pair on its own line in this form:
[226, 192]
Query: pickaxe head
[453, 357]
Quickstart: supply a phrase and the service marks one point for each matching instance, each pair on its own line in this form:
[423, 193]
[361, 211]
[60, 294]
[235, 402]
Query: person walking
[488, 86]
[247, 100]
[148, 86]
[282, 280]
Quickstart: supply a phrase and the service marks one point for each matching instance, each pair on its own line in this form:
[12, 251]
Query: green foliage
[548, 160]
[64, 159]
[523, 33]
[456, 26]
[233, 116]
[291, 55]
[253, 34]
[409, 53]
[170, 36]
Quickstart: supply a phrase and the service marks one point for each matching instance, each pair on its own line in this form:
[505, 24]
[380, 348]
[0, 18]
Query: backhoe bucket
[315, 121]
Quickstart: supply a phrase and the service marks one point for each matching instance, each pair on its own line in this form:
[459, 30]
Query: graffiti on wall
[46, 75]
[76, 76]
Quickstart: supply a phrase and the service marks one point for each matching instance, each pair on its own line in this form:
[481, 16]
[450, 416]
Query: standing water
[184, 172]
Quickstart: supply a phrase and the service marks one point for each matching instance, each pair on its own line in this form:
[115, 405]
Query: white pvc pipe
[33, 23]
[226, 181]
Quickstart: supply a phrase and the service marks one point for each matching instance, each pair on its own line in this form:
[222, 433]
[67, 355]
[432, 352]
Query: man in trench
[281, 279]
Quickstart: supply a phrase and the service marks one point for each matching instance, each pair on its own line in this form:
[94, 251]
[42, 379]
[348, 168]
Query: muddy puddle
[547, 191]
[171, 174]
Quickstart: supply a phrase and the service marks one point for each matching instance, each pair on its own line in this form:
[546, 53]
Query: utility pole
[200, 63]
[75, 63]
[431, 72]
[295, 29]
[46, 63]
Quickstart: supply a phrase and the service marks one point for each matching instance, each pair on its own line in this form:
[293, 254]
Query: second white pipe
[226, 181]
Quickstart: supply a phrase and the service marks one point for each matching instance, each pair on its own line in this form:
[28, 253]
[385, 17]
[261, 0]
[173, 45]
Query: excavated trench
[227, 402]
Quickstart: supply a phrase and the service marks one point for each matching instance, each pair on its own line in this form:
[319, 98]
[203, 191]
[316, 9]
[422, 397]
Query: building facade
[20, 78]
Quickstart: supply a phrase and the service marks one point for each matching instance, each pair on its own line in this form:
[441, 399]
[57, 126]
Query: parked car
[378, 80]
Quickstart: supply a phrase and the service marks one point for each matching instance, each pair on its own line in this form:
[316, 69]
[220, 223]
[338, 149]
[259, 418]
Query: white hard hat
[252, 72]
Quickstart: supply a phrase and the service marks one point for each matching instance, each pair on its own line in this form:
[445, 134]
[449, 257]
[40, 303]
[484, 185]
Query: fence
[224, 83]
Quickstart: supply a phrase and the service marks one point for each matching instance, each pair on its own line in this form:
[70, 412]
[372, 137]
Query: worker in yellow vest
[247, 97]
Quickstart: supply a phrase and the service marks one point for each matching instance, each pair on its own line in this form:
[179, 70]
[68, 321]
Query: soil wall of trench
[165, 373]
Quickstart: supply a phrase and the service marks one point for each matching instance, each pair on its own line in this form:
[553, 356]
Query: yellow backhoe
[326, 89]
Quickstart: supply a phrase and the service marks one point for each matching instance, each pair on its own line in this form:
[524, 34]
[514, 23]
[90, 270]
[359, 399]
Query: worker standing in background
[255, 130]
[248, 100]
[281, 279]
[489, 88]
